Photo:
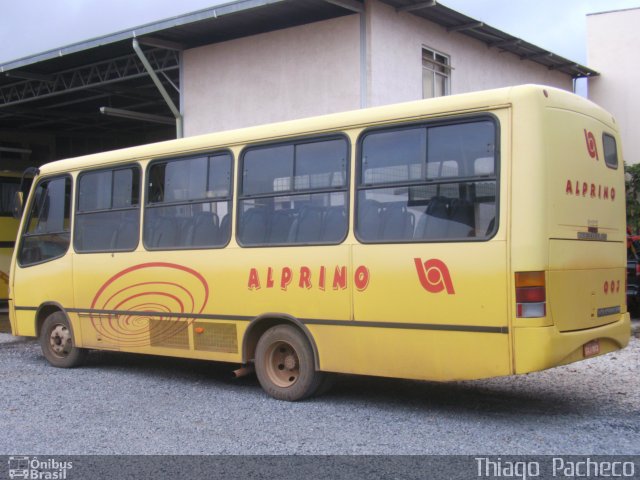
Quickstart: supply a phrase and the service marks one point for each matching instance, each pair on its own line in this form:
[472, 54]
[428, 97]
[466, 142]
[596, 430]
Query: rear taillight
[531, 295]
[638, 269]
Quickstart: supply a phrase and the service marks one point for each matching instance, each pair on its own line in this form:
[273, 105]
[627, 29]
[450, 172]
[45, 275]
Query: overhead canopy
[50, 103]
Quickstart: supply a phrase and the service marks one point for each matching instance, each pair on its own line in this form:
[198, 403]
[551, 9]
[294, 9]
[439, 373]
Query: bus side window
[428, 182]
[294, 194]
[189, 203]
[47, 232]
[108, 210]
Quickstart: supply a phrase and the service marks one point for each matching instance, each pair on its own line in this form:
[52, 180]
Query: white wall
[315, 69]
[293, 73]
[613, 42]
[396, 40]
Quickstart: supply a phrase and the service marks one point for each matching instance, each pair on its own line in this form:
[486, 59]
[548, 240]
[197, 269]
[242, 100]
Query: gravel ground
[133, 404]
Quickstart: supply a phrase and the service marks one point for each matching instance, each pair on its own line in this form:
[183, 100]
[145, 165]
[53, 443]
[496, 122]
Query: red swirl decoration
[592, 147]
[178, 290]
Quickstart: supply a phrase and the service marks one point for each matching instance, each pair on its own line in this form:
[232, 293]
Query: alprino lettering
[590, 190]
[324, 278]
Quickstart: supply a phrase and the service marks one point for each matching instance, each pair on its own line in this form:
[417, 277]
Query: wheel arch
[46, 309]
[264, 322]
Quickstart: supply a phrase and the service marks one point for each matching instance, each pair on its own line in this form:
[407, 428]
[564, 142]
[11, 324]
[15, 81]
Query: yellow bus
[463, 237]
[9, 185]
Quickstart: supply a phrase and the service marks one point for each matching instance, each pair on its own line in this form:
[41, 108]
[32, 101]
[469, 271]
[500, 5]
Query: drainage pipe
[163, 91]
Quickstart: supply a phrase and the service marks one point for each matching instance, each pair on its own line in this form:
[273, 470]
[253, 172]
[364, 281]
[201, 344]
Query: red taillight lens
[531, 295]
[638, 269]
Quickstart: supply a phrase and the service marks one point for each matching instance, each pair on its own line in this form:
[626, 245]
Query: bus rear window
[610, 151]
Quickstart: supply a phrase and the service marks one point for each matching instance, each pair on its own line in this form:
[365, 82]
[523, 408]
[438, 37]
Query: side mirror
[18, 205]
[25, 184]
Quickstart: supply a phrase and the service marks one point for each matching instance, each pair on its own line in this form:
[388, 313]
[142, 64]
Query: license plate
[591, 348]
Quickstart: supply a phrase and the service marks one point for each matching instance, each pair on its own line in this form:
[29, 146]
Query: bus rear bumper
[539, 348]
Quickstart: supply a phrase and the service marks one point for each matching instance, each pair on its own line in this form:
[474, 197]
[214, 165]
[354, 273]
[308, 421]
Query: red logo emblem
[592, 148]
[434, 276]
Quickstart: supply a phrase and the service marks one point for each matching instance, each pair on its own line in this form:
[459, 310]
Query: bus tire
[56, 341]
[284, 364]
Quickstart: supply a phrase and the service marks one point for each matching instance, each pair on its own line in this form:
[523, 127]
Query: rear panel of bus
[568, 257]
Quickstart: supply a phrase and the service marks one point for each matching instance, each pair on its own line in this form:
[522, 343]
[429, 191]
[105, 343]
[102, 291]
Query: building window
[436, 71]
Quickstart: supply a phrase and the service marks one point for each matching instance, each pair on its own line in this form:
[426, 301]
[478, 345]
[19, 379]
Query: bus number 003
[613, 286]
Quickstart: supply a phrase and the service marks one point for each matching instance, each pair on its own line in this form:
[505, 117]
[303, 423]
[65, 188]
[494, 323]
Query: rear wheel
[56, 341]
[284, 364]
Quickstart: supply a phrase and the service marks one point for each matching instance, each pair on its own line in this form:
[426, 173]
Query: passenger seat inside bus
[126, 236]
[396, 223]
[281, 221]
[391, 221]
[446, 218]
[162, 232]
[334, 225]
[461, 219]
[316, 224]
[369, 219]
[225, 228]
[254, 226]
[307, 228]
[205, 230]
[310, 224]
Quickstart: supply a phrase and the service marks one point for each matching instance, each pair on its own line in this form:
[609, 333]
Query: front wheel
[56, 341]
[284, 364]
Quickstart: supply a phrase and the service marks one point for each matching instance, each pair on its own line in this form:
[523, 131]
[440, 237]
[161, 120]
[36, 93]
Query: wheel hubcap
[283, 366]
[60, 341]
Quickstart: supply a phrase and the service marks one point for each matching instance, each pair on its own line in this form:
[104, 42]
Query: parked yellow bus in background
[9, 185]
[461, 237]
